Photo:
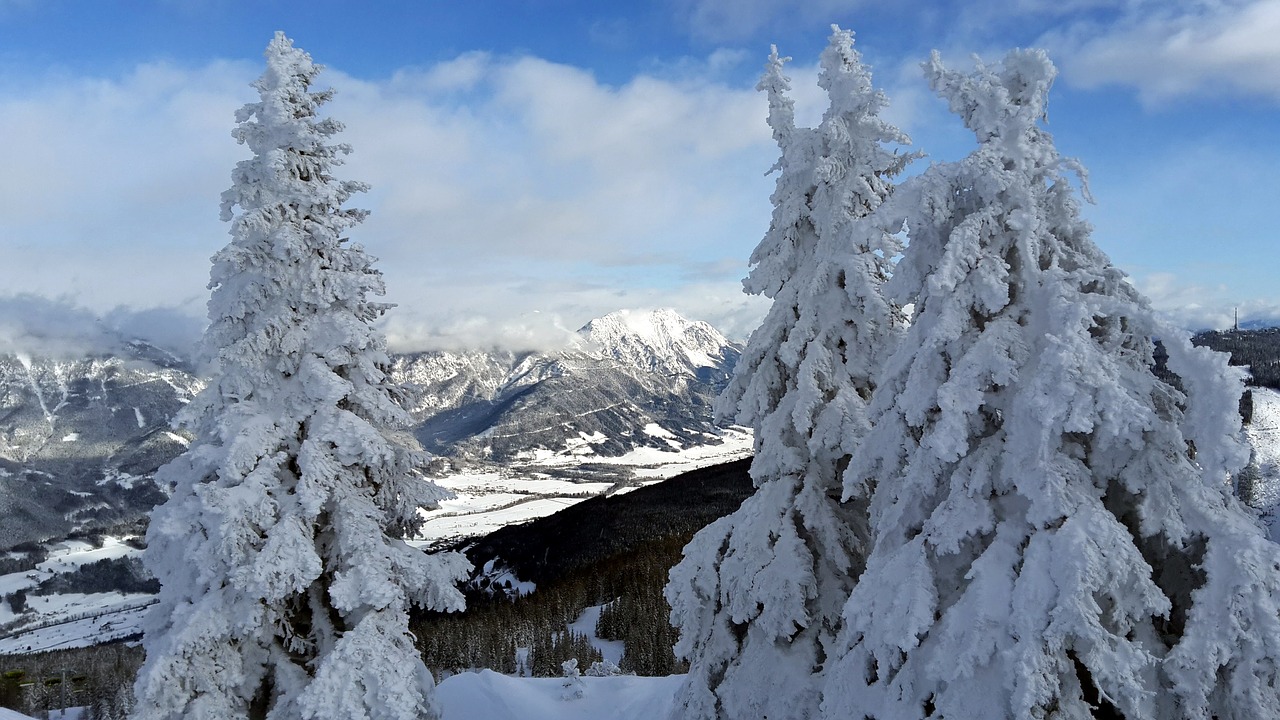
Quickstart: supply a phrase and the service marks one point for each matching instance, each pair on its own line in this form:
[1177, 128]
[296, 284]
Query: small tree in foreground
[285, 584]
[758, 595]
[1054, 534]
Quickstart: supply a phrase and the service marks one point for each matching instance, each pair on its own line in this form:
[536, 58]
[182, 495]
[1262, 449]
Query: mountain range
[630, 379]
[81, 437]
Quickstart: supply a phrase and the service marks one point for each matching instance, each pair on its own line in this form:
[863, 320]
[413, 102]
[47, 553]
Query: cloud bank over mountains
[502, 188]
[58, 328]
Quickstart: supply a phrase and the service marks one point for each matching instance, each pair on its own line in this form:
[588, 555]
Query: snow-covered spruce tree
[285, 582]
[758, 595]
[1053, 530]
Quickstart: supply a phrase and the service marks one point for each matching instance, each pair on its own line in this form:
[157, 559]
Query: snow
[487, 499]
[68, 714]
[656, 430]
[660, 340]
[1264, 435]
[107, 617]
[71, 554]
[482, 523]
[1264, 431]
[758, 595]
[653, 463]
[71, 437]
[488, 695]
[611, 650]
[70, 619]
[123, 479]
[498, 574]
[298, 380]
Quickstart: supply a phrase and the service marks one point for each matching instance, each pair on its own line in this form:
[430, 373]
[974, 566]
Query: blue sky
[536, 164]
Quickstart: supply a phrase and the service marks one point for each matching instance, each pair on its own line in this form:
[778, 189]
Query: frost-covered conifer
[285, 584]
[1053, 530]
[758, 595]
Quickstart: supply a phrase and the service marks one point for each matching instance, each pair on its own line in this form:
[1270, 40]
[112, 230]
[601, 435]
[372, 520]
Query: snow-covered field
[69, 620]
[487, 695]
[485, 501]
[494, 498]
[586, 623]
[653, 463]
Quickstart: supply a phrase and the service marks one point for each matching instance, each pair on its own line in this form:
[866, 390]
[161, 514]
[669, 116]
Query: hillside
[1258, 350]
[631, 379]
[82, 433]
[552, 547]
[595, 570]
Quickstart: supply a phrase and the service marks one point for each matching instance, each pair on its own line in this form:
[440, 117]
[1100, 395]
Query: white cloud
[111, 186]
[1196, 307]
[1169, 50]
[58, 327]
[500, 186]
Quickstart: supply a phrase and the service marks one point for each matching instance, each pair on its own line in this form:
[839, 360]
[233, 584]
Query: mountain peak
[659, 340]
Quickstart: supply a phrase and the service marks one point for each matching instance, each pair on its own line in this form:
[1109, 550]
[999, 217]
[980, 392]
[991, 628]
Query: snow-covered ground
[611, 650]
[1264, 434]
[485, 501]
[656, 464]
[493, 498]
[63, 557]
[70, 619]
[68, 714]
[487, 695]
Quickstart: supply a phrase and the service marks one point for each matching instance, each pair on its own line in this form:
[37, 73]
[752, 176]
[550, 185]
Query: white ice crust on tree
[1053, 529]
[757, 597]
[285, 579]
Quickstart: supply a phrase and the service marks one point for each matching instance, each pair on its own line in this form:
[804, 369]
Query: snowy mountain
[81, 436]
[632, 379]
[661, 341]
[78, 435]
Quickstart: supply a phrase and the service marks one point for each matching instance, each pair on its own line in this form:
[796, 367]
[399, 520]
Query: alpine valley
[516, 435]
[518, 438]
[81, 437]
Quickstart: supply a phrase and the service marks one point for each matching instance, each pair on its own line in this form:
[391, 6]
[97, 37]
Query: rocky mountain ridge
[81, 436]
[631, 379]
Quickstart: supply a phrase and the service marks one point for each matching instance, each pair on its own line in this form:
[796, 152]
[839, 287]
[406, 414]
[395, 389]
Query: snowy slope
[527, 435]
[659, 341]
[76, 436]
[1264, 435]
[487, 695]
[477, 696]
[632, 380]
[69, 620]
[492, 497]
[80, 437]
